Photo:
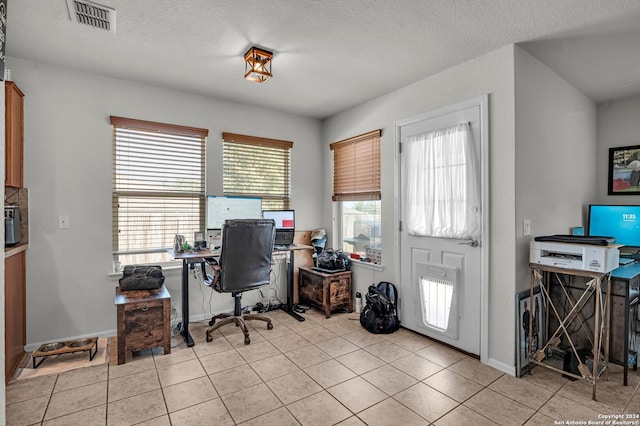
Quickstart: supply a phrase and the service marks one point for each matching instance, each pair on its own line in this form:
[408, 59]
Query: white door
[442, 281]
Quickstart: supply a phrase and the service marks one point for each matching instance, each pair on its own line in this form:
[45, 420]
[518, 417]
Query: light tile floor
[317, 372]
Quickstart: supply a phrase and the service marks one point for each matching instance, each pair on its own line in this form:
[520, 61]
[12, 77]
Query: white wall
[493, 74]
[68, 171]
[618, 125]
[556, 150]
[68, 154]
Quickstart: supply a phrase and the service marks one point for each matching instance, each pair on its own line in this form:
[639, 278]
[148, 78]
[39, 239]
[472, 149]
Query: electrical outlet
[63, 222]
[175, 307]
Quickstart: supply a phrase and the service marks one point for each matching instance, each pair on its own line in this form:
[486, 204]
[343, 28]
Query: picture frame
[624, 170]
[523, 304]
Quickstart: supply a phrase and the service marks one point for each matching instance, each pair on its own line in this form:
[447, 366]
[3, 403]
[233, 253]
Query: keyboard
[284, 237]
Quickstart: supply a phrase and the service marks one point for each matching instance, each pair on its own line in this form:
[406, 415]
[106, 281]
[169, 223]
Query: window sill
[169, 266]
[366, 265]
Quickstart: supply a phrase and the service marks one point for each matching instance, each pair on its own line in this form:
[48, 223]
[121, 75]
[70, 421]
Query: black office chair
[245, 264]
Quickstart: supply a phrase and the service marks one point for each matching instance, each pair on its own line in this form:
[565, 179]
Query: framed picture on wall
[529, 312]
[624, 170]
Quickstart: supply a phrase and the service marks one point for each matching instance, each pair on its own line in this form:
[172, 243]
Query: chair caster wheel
[247, 340]
[269, 326]
[209, 338]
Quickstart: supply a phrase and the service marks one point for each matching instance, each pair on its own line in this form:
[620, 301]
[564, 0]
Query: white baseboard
[499, 365]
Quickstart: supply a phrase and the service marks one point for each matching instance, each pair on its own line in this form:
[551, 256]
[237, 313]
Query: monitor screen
[221, 208]
[619, 221]
[285, 219]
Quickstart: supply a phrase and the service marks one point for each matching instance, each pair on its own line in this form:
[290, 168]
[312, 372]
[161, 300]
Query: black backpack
[380, 315]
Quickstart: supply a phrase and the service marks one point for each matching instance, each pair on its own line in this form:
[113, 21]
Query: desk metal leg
[625, 356]
[288, 308]
[185, 305]
[596, 337]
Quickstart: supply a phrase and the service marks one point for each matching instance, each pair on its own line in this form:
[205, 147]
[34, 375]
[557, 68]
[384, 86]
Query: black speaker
[570, 362]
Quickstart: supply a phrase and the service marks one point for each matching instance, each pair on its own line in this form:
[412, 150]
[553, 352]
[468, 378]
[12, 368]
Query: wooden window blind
[257, 167]
[158, 187]
[356, 168]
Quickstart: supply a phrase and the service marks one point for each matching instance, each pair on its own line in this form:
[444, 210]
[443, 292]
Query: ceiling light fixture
[257, 64]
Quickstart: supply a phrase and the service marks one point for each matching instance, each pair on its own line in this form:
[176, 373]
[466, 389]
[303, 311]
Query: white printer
[583, 257]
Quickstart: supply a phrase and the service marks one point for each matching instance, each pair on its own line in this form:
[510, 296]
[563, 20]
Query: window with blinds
[158, 188]
[257, 167]
[356, 187]
[356, 168]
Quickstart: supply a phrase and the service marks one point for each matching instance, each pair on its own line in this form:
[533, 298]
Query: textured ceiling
[330, 55]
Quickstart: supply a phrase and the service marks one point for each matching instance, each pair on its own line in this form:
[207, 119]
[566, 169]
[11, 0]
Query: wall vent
[92, 14]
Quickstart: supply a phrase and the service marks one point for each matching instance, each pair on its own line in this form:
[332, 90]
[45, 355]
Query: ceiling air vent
[92, 14]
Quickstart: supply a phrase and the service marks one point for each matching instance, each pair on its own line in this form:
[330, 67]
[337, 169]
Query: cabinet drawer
[142, 306]
[143, 328]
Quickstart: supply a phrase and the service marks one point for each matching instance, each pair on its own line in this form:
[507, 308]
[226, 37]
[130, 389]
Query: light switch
[63, 222]
[526, 227]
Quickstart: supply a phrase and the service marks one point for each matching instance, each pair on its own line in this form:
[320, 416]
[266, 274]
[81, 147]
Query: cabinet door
[340, 293]
[144, 325]
[311, 287]
[14, 113]
[15, 336]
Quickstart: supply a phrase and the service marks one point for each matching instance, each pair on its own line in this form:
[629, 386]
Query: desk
[199, 256]
[187, 258]
[288, 307]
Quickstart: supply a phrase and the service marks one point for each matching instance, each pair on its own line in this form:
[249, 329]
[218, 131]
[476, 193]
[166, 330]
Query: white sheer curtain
[441, 184]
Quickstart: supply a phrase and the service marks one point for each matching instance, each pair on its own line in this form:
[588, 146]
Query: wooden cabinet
[15, 319]
[144, 320]
[326, 291]
[619, 334]
[14, 118]
[15, 337]
[625, 288]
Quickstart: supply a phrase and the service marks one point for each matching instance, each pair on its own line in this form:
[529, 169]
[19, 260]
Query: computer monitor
[285, 219]
[619, 221]
[221, 208]
[285, 225]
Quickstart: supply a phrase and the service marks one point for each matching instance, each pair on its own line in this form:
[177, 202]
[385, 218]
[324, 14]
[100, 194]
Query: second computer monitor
[285, 219]
[285, 225]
